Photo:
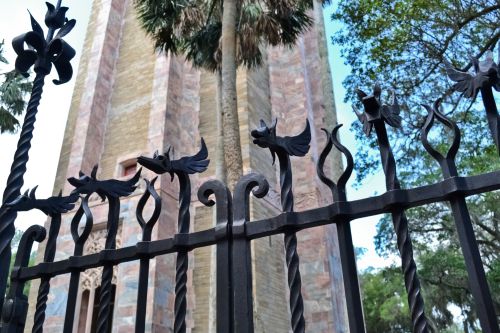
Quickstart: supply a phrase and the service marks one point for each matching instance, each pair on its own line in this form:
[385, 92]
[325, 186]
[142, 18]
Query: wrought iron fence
[234, 231]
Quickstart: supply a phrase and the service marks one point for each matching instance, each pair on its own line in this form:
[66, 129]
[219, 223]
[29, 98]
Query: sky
[54, 107]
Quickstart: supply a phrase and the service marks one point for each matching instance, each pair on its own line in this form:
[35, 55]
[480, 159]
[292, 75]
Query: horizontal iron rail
[338, 211]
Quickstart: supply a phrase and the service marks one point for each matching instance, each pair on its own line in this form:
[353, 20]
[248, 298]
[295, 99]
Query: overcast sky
[53, 111]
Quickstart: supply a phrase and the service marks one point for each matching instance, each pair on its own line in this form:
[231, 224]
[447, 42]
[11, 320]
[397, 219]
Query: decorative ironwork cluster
[44, 51]
[233, 233]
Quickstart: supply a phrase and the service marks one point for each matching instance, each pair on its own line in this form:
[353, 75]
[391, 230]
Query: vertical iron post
[242, 252]
[344, 236]
[224, 298]
[375, 115]
[468, 243]
[41, 53]
[15, 308]
[284, 147]
[147, 228]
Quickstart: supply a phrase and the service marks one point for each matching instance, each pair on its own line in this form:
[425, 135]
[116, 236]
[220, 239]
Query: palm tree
[220, 36]
[13, 90]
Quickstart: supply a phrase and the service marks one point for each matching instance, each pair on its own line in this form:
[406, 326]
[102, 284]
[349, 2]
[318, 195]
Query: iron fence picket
[344, 237]
[147, 228]
[468, 243]
[79, 237]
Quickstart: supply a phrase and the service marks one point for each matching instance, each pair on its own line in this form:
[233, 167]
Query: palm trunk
[220, 165]
[230, 124]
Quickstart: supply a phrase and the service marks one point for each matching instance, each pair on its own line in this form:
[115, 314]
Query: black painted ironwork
[285, 147]
[375, 116]
[147, 229]
[485, 79]
[234, 231]
[344, 237]
[42, 52]
[182, 168]
[477, 277]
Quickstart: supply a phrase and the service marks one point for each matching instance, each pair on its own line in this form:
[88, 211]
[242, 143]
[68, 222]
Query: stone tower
[127, 102]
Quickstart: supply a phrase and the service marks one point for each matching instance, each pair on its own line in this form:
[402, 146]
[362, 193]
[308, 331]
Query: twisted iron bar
[44, 289]
[291, 254]
[375, 115]
[181, 266]
[105, 298]
[16, 179]
[41, 53]
[298, 145]
[404, 243]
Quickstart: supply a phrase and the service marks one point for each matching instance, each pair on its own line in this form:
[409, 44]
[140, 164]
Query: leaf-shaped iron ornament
[374, 109]
[104, 188]
[51, 206]
[447, 162]
[41, 52]
[485, 79]
[265, 137]
[486, 74]
[338, 189]
[161, 164]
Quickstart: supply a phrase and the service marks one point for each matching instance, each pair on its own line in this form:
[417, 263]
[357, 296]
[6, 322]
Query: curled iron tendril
[254, 183]
[339, 187]
[81, 237]
[147, 227]
[434, 113]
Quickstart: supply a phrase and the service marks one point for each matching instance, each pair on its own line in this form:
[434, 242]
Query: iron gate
[234, 231]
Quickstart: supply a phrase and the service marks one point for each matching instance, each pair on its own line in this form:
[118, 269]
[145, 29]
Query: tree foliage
[194, 27]
[403, 45]
[13, 90]
[384, 298]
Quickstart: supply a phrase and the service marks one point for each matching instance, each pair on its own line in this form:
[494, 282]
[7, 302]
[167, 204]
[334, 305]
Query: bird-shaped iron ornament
[43, 51]
[50, 206]
[161, 164]
[110, 188]
[375, 110]
[486, 74]
[265, 137]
